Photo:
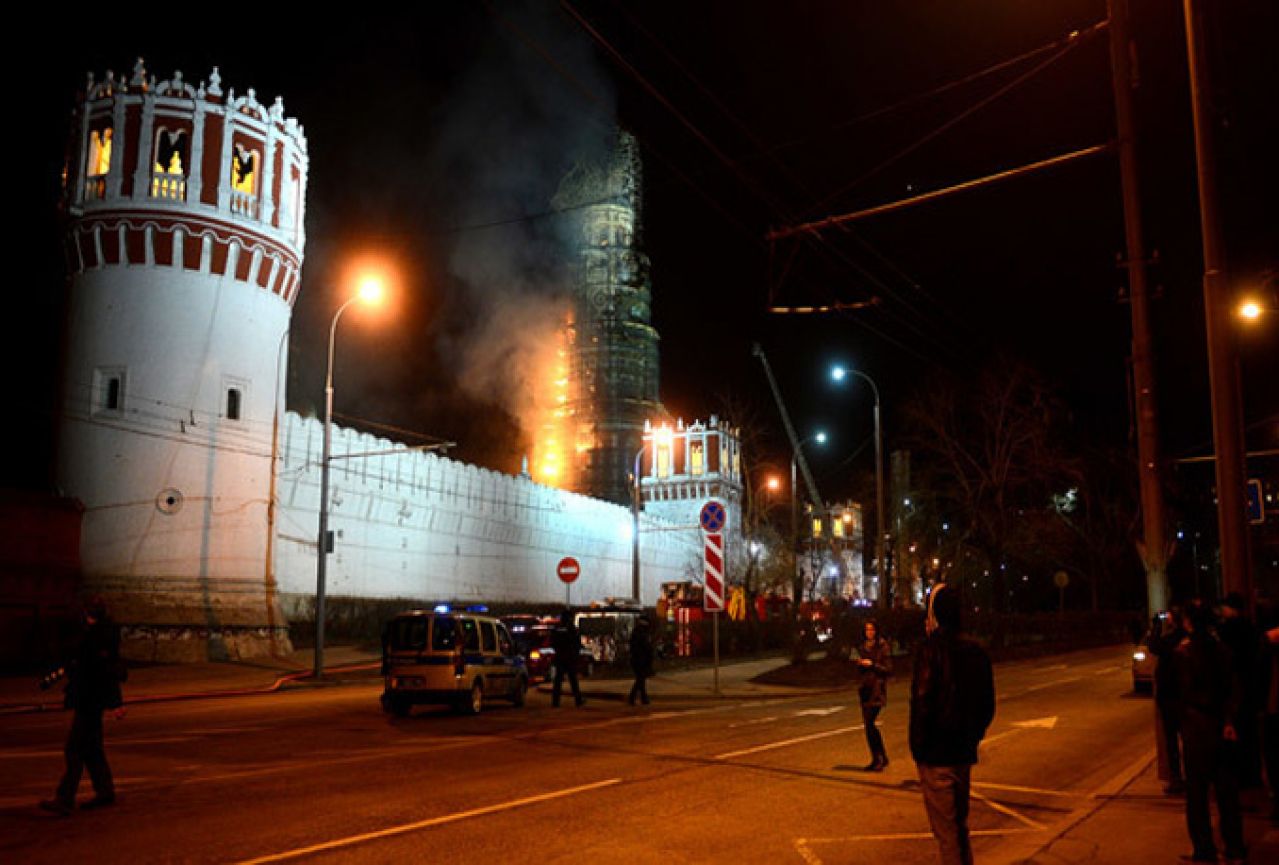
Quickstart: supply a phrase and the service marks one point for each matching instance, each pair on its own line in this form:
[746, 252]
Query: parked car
[458, 658]
[534, 643]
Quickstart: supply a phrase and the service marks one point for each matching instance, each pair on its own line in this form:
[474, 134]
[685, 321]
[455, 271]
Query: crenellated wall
[425, 528]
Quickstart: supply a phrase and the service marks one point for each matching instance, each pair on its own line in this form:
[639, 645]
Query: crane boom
[796, 445]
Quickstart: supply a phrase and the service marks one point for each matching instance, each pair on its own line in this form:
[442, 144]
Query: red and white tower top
[164, 173]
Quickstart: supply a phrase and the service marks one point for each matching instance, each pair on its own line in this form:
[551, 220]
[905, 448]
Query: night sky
[438, 137]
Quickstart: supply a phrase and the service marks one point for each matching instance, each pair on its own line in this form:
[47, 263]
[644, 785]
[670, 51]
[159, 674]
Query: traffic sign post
[568, 570]
[713, 519]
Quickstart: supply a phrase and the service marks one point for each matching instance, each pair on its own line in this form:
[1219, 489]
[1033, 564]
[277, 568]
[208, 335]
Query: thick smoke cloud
[512, 128]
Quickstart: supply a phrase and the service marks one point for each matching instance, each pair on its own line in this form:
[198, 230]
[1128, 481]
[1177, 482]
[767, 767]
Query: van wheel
[475, 704]
[520, 692]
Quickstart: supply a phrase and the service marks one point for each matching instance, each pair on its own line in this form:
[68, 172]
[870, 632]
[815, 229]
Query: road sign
[713, 573]
[1061, 579]
[568, 570]
[713, 517]
[1256, 504]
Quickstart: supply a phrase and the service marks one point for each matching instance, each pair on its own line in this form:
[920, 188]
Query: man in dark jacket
[641, 661]
[1210, 693]
[568, 646]
[93, 686]
[1239, 635]
[952, 702]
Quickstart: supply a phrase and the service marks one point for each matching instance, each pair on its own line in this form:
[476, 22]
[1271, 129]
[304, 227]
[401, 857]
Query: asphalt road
[322, 775]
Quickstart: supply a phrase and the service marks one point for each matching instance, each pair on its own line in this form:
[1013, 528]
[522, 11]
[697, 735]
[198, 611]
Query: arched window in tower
[233, 403]
[244, 180]
[696, 457]
[98, 163]
[169, 172]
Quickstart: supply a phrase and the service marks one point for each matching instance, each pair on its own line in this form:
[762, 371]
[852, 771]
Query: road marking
[754, 722]
[785, 742]
[1052, 684]
[429, 823]
[1004, 809]
[18, 755]
[1019, 726]
[820, 712]
[1038, 791]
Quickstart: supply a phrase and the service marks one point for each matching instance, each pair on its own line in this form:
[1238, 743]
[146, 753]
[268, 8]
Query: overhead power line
[817, 225]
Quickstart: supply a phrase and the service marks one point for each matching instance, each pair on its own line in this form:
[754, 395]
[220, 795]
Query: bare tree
[993, 459]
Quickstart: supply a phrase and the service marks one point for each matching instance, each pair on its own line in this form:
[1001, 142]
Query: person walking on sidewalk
[874, 659]
[93, 686]
[641, 661]
[1210, 694]
[568, 648]
[952, 702]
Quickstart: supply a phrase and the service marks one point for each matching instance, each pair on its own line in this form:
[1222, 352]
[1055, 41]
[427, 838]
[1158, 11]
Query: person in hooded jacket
[952, 702]
[93, 686]
[874, 660]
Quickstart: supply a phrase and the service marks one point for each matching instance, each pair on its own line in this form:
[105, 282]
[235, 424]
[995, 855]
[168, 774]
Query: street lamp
[371, 290]
[838, 374]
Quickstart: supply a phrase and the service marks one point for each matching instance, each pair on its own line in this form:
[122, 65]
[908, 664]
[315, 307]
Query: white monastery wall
[423, 527]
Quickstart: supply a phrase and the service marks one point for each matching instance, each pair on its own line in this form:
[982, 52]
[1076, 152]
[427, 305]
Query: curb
[1097, 799]
[281, 682]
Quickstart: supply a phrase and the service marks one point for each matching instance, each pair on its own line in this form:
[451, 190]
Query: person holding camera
[93, 686]
[874, 660]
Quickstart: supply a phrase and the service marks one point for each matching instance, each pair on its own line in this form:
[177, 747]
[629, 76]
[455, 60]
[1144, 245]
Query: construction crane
[797, 447]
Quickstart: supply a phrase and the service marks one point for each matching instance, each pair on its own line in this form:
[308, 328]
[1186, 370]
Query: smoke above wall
[513, 126]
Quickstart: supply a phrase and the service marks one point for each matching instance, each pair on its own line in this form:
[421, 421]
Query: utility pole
[1223, 360]
[1154, 547]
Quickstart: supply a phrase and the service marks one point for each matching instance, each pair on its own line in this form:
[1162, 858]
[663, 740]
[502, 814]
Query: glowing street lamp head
[774, 483]
[820, 438]
[1250, 310]
[664, 435]
[372, 290]
[838, 373]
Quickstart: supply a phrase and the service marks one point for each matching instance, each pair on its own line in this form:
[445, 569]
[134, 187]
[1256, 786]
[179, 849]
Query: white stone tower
[184, 210]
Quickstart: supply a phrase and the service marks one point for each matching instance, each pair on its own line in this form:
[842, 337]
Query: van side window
[443, 634]
[489, 635]
[470, 635]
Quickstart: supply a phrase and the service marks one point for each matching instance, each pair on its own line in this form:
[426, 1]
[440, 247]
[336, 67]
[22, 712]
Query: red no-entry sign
[568, 569]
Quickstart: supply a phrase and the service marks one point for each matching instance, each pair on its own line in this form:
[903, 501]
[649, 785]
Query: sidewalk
[346, 664]
[1131, 821]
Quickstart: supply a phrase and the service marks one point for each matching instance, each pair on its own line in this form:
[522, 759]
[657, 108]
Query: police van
[460, 658]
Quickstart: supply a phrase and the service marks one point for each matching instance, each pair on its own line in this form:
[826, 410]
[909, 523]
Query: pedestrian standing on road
[874, 660]
[1237, 631]
[93, 678]
[641, 660]
[952, 702]
[1166, 634]
[567, 644]
[1210, 694]
[1268, 671]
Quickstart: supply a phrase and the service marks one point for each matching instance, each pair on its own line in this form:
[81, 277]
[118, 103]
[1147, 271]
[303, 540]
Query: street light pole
[635, 531]
[370, 292]
[838, 374]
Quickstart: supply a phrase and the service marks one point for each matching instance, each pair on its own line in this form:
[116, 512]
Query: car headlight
[1139, 656]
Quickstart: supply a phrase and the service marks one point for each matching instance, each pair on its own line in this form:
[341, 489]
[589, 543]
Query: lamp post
[839, 373]
[370, 292]
[635, 508]
[820, 438]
